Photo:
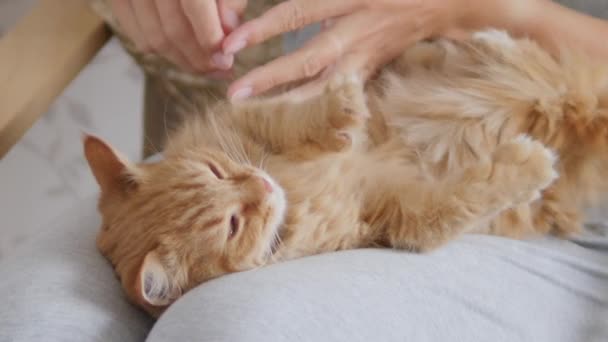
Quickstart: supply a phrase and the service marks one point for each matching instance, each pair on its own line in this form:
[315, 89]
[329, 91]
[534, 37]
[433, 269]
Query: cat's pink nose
[267, 185]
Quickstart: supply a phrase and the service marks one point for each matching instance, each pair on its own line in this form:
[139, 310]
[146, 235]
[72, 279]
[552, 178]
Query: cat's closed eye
[215, 171]
[234, 225]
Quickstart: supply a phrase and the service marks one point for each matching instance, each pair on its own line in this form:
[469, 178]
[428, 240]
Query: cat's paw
[557, 218]
[557, 215]
[346, 113]
[347, 95]
[524, 167]
[495, 38]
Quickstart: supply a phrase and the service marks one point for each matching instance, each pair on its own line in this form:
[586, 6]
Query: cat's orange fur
[439, 155]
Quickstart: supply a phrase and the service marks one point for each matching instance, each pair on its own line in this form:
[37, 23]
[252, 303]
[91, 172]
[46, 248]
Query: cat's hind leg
[432, 214]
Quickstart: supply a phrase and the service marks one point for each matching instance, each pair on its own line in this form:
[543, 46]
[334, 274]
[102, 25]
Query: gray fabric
[476, 289]
[597, 8]
[59, 288]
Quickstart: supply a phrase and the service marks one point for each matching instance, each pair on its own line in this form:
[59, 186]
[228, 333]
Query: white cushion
[476, 289]
[59, 288]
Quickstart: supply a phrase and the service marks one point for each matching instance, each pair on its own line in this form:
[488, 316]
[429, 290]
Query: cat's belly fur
[324, 205]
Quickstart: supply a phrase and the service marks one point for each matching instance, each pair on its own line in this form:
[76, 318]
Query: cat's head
[171, 225]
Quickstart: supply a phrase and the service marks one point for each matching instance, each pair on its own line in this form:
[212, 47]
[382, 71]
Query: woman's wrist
[519, 17]
[550, 24]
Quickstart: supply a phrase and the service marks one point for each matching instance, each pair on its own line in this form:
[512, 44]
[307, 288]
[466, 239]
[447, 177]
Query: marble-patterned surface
[45, 173]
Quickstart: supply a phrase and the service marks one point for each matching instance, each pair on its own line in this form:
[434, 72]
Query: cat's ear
[156, 285]
[111, 170]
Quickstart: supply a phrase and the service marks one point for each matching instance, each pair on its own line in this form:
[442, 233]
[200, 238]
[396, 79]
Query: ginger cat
[435, 148]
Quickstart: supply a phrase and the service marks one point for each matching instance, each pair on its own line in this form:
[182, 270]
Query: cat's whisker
[241, 150]
[165, 119]
[238, 147]
[274, 244]
[228, 139]
[154, 148]
[263, 159]
[232, 145]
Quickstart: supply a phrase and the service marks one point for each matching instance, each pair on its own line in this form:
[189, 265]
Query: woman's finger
[178, 30]
[230, 13]
[123, 10]
[148, 18]
[204, 18]
[370, 54]
[305, 62]
[358, 63]
[306, 91]
[285, 17]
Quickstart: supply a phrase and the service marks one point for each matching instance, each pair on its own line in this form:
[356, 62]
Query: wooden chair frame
[39, 57]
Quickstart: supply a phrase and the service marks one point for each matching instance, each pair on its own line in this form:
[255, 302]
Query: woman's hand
[358, 35]
[186, 32]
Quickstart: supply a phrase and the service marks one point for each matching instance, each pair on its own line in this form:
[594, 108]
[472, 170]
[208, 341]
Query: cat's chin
[276, 199]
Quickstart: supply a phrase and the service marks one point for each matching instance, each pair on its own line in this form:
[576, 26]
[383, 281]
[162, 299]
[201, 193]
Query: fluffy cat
[433, 149]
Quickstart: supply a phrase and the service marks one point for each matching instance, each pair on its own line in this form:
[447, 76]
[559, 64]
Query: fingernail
[222, 61]
[231, 19]
[241, 94]
[237, 44]
[327, 23]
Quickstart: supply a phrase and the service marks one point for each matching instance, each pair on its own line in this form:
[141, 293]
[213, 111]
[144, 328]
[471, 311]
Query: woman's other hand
[358, 35]
[188, 33]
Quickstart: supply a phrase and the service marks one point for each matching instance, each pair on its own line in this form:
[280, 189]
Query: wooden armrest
[38, 59]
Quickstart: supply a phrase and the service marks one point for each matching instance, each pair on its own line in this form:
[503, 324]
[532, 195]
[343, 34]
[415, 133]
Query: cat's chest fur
[324, 204]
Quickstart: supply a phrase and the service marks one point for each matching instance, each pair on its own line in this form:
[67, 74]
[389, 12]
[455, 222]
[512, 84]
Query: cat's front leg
[434, 214]
[331, 122]
[342, 114]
